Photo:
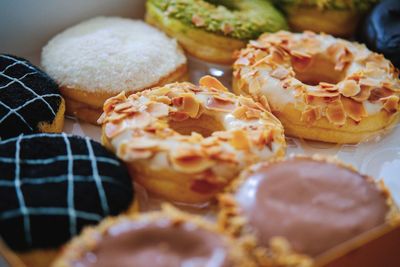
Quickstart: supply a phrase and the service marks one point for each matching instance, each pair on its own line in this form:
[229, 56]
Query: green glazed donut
[219, 26]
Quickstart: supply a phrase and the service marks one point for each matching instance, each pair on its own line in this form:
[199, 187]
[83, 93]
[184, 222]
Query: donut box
[379, 157]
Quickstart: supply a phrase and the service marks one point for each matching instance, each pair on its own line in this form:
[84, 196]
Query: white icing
[111, 54]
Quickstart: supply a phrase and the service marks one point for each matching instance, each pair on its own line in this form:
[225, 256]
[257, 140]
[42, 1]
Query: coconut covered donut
[101, 57]
[321, 88]
[213, 30]
[186, 142]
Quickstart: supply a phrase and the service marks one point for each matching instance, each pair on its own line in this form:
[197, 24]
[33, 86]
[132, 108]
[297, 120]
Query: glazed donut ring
[321, 88]
[186, 142]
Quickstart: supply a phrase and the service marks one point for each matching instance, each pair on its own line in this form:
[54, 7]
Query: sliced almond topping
[349, 88]
[300, 54]
[242, 61]
[102, 118]
[122, 106]
[227, 28]
[240, 140]
[111, 129]
[115, 117]
[190, 161]
[264, 102]
[163, 99]
[320, 93]
[111, 102]
[197, 20]
[209, 81]
[379, 93]
[253, 113]
[311, 114]
[157, 109]
[142, 143]
[220, 104]
[178, 116]
[280, 73]
[363, 95]
[301, 64]
[335, 113]
[370, 82]
[391, 103]
[240, 112]
[190, 105]
[353, 109]
[138, 120]
[328, 86]
[136, 154]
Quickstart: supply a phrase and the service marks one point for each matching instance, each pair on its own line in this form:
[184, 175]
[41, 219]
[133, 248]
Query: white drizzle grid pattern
[70, 179]
[22, 84]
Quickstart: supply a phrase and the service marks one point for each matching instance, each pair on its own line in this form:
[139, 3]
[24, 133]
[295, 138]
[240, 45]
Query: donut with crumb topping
[101, 57]
[320, 87]
[185, 142]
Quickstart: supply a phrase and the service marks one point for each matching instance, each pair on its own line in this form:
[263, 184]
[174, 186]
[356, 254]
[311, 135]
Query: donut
[337, 17]
[185, 142]
[305, 205]
[164, 238]
[381, 30]
[101, 57]
[30, 101]
[213, 30]
[321, 88]
[51, 186]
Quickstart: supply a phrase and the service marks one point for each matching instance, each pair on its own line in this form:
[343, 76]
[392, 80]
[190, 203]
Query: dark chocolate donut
[52, 185]
[28, 98]
[381, 30]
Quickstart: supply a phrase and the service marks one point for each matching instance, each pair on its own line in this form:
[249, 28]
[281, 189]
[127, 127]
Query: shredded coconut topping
[111, 54]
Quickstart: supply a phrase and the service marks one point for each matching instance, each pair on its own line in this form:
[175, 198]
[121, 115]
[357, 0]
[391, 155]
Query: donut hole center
[205, 125]
[316, 70]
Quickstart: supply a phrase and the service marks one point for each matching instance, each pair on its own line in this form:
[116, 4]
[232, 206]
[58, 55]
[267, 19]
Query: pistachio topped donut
[212, 30]
[336, 17]
[320, 87]
[187, 142]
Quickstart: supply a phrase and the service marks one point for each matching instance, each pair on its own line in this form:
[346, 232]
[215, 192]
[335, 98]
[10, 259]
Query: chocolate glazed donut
[381, 30]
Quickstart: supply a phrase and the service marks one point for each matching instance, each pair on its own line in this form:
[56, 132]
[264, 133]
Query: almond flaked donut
[320, 87]
[187, 142]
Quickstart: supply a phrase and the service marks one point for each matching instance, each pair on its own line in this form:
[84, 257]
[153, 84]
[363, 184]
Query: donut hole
[316, 70]
[205, 125]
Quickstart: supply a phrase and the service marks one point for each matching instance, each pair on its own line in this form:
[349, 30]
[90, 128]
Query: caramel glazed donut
[321, 88]
[186, 142]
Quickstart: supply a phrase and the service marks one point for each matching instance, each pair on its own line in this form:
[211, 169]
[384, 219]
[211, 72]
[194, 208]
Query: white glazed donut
[186, 142]
[101, 57]
[320, 87]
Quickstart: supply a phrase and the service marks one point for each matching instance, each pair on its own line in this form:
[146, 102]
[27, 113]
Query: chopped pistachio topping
[331, 4]
[236, 18]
